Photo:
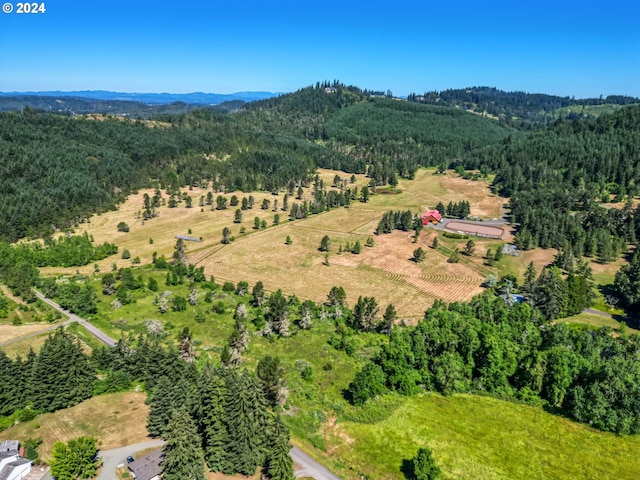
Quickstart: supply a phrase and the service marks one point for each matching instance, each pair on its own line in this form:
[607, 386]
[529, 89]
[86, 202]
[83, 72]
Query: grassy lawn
[116, 419]
[476, 437]
[597, 321]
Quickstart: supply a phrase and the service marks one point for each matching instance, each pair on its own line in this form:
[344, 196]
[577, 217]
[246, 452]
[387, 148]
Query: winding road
[71, 318]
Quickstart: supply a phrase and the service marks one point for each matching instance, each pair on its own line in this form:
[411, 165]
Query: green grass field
[475, 437]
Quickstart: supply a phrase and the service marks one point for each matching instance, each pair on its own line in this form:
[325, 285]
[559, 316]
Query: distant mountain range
[152, 98]
[134, 105]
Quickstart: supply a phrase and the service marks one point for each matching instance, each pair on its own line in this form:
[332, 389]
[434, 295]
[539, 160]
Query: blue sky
[558, 47]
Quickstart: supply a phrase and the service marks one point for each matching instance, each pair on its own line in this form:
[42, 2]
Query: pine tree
[180, 253]
[530, 275]
[279, 462]
[470, 247]
[226, 236]
[211, 410]
[247, 421]
[160, 408]
[325, 244]
[258, 294]
[270, 372]
[388, 319]
[183, 459]
[63, 372]
[168, 395]
[277, 313]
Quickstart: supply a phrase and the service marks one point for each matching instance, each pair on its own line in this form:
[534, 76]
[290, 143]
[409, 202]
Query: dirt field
[475, 229]
[117, 419]
[384, 271]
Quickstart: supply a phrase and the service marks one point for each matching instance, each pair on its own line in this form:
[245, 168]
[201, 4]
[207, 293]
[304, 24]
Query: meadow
[384, 270]
[480, 437]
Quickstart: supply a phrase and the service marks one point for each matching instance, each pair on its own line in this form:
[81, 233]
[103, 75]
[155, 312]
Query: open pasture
[475, 437]
[384, 271]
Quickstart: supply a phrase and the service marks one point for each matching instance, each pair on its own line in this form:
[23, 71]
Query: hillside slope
[476, 437]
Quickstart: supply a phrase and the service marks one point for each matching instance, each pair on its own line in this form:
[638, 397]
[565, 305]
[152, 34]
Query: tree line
[512, 352]
[525, 111]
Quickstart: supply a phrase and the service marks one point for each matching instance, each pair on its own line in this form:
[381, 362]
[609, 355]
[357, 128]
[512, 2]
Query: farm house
[431, 216]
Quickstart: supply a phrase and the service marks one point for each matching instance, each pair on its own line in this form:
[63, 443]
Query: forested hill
[520, 109]
[56, 170]
[558, 178]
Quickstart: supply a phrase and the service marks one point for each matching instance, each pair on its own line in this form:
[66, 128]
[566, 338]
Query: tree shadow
[407, 469]
[347, 395]
[630, 318]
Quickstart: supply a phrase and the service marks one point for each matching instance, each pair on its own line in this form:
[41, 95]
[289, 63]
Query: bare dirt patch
[475, 229]
[4, 290]
[22, 347]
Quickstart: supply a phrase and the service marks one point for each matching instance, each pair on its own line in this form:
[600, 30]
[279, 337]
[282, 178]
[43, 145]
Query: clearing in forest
[384, 271]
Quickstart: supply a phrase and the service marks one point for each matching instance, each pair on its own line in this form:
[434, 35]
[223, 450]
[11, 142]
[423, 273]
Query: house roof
[147, 467]
[432, 213]
[9, 468]
[9, 446]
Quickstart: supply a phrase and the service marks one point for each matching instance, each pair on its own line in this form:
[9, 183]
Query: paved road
[305, 465]
[597, 312]
[308, 467]
[99, 334]
[114, 457]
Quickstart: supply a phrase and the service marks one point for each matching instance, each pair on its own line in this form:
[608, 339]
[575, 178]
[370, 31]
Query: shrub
[123, 227]
[419, 255]
[307, 373]
[458, 236]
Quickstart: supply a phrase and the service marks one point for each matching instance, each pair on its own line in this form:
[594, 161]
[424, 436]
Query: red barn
[432, 216]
